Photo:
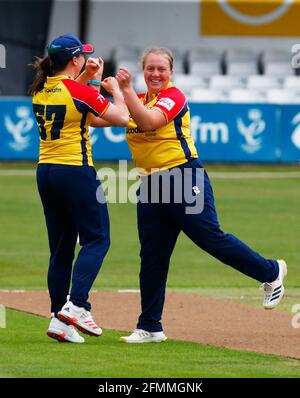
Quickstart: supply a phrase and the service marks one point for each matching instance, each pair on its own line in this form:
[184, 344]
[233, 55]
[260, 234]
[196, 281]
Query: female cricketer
[67, 181]
[159, 138]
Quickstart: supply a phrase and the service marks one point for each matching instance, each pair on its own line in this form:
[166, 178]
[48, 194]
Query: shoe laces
[86, 314]
[141, 332]
[87, 318]
[267, 287]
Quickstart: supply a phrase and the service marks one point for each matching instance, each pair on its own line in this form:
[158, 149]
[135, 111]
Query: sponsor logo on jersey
[52, 90]
[133, 130]
[167, 103]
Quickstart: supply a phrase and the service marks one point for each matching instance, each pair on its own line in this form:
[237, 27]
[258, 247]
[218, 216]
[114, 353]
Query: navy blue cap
[66, 47]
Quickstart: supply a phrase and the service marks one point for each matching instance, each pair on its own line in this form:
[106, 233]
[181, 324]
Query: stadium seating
[207, 95]
[125, 52]
[240, 95]
[235, 75]
[132, 65]
[128, 57]
[205, 68]
[240, 62]
[224, 82]
[277, 62]
[204, 62]
[291, 83]
[187, 83]
[263, 82]
[179, 61]
[283, 96]
[278, 69]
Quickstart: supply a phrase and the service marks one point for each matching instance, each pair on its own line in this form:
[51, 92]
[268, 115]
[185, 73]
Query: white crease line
[128, 291]
[12, 291]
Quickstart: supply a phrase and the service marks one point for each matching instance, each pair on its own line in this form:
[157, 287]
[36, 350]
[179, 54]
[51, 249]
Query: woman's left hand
[124, 78]
[110, 84]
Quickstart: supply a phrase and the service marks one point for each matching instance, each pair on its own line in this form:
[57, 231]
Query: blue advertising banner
[222, 132]
[19, 135]
[290, 133]
[233, 132]
[109, 143]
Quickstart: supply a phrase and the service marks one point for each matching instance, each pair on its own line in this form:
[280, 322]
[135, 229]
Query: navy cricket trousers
[68, 195]
[159, 225]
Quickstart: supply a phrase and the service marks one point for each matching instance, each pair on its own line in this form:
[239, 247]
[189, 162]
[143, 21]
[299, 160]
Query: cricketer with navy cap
[66, 47]
[67, 181]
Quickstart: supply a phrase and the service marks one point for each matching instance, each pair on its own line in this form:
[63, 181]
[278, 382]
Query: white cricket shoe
[274, 291]
[80, 318]
[142, 336]
[63, 333]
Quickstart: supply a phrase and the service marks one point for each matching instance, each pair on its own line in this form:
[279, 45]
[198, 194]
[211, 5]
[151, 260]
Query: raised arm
[93, 70]
[146, 119]
[117, 113]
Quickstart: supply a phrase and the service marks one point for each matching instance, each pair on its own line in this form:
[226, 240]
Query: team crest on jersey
[167, 103]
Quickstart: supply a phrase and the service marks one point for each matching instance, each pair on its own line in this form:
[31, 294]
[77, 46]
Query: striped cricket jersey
[63, 110]
[167, 146]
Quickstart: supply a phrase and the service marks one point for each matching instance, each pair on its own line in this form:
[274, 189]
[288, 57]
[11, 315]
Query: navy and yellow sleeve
[86, 99]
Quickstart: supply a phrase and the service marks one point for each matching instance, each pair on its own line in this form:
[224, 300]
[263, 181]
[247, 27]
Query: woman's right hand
[94, 68]
[124, 78]
[110, 84]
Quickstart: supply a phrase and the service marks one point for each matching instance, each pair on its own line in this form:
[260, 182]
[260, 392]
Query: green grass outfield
[27, 352]
[264, 212]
